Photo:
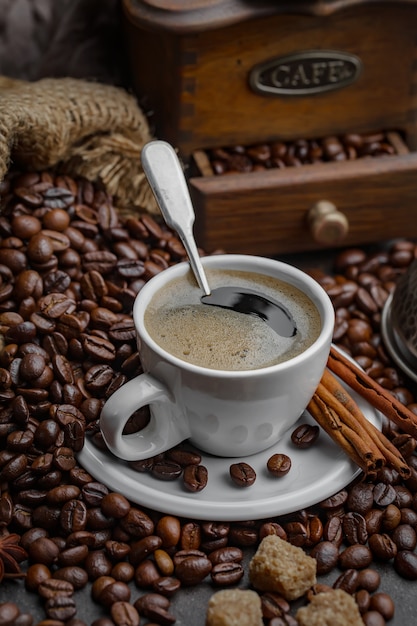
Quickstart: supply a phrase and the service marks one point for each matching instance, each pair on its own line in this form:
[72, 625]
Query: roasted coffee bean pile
[282, 154]
[70, 268]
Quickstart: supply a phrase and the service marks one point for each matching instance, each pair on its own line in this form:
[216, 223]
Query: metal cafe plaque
[305, 73]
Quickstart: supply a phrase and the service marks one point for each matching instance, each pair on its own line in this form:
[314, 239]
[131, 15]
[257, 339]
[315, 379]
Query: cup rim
[294, 275]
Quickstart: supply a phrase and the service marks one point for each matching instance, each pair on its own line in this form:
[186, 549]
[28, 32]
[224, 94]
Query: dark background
[56, 38]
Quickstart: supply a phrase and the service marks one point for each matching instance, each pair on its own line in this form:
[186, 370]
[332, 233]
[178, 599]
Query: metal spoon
[167, 181]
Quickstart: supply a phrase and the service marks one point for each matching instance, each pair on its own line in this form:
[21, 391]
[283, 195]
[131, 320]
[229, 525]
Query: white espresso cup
[229, 413]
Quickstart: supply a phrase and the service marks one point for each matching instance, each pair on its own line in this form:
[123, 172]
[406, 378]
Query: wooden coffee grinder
[238, 74]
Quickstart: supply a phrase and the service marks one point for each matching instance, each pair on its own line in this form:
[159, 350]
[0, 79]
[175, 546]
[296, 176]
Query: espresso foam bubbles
[222, 339]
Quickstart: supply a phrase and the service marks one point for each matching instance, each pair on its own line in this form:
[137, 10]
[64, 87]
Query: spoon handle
[167, 181]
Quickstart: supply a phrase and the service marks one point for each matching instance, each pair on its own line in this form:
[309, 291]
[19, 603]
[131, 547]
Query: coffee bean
[305, 435]
[326, 554]
[101, 261]
[181, 555]
[405, 564]
[373, 618]
[272, 528]
[96, 520]
[35, 575]
[166, 470]
[9, 612]
[21, 333]
[24, 226]
[63, 493]
[123, 571]
[315, 529]
[164, 562]
[166, 585]
[382, 546]
[168, 529]
[382, 603]
[140, 550]
[43, 550]
[146, 574]
[58, 198]
[335, 501]
[215, 530]
[53, 587]
[384, 494]
[116, 591]
[183, 457]
[348, 580]
[355, 556]
[97, 564]
[195, 477]
[72, 556]
[363, 599]
[193, 570]
[13, 259]
[137, 523]
[99, 584]
[190, 536]
[115, 505]
[360, 498]
[405, 537]
[242, 474]
[60, 607]
[273, 606]
[354, 528]
[226, 555]
[32, 366]
[98, 348]
[151, 600]
[14, 467]
[241, 535]
[297, 533]
[391, 517]
[57, 219]
[227, 573]
[279, 465]
[154, 606]
[124, 614]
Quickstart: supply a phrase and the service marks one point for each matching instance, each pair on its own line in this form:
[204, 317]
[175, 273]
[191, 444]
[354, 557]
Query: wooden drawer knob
[327, 224]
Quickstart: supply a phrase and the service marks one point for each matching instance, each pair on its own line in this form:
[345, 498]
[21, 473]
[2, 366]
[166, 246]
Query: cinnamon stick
[336, 395]
[369, 389]
[352, 428]
[328, 420]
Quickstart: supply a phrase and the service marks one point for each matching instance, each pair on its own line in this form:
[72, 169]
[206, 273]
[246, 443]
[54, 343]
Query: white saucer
[391, 343]
[316, 473]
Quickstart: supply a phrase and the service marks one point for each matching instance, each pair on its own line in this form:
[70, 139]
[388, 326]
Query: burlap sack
[82, 128]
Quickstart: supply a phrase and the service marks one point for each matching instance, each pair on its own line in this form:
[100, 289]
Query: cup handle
[162, 432]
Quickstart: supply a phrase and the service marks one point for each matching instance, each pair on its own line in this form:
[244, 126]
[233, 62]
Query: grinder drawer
[317, 205]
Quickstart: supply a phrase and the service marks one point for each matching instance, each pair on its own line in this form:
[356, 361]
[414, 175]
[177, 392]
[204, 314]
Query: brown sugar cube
[234, 607]
[283, 568]
[335, 608]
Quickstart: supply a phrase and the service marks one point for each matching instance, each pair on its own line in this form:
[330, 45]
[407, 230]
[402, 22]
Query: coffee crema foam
[222, 339]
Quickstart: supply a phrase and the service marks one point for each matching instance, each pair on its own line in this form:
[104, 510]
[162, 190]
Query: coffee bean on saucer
[279, 465]
[195, 477]
[305, 435]
[242, 474]
[183, 457]
[166, 470]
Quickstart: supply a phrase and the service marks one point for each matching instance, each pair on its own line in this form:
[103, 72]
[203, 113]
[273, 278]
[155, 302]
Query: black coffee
[223, 339]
